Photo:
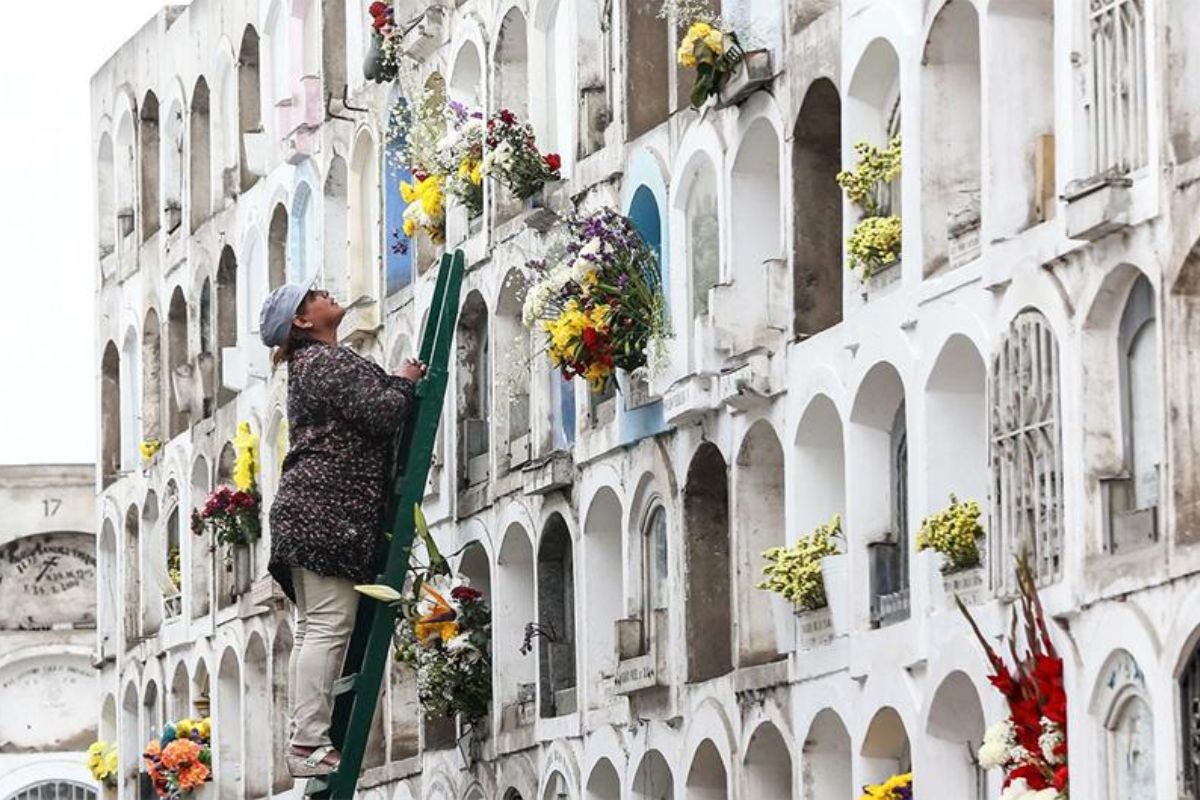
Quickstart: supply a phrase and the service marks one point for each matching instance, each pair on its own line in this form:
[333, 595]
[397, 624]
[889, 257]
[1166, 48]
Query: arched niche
[201, 561]
[757, 215]
[277, 250]
[514, 609]
[886, 750]
[149, 164]
[828, 764]
[706, 778]
[110, 414]
[648, 67]
[956, 426]
[1021, 147]
[603, 783]
[226, 317]
[603, 585]
[817, 267]
[768, 764]
[954, 733]
[200, 155]
[951, 149]
[763, 618]
[106, 213]
[556, 619]
[229, 756]
[706, 562]
[653, 779]
[363, 219]
[878, 505]
[336, 235]
[179, 370]
[820, 466]
[252, 139]
[466, 77]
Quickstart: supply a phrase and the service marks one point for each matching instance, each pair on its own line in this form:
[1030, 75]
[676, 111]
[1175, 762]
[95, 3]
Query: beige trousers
[325, 609]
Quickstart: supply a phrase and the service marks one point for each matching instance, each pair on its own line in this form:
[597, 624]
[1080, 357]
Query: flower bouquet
[444, 634]
[460, 156]
[598, 299]
[897, 787]
[232, 517]
[181, 760]
[102, 763]
[876, 240]
[513, 158]
[149, 448]
[795, 572]
[955, 533]
[713, 53]
[383, 60]
[1030, 746]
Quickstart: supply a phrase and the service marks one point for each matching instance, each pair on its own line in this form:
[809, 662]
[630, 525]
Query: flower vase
[375, 68]
[835, 574]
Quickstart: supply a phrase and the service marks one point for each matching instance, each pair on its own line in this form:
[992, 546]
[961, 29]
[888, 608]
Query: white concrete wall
[847, 710]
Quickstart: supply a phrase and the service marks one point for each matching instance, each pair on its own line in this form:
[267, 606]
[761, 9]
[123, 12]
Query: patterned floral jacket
[327, 517]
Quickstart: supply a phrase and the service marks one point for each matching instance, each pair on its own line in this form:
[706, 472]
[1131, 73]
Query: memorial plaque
[48, 580]
[56, 696]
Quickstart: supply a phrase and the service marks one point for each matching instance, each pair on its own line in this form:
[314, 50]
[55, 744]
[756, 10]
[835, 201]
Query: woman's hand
[411, 369]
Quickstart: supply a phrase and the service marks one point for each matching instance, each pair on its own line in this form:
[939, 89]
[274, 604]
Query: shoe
[323, 760]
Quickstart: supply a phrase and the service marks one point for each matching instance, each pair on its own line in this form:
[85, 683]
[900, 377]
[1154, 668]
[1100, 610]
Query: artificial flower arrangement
[385, 42]
[181, 759]
[876, 240]
[149, 448]
[513, 158]
[954, 532]
[443, 632]
[102, 763]
[1030, 745]
[234, 515]
[897, 787]
[598, 298]
[713, 53]
[795, 571]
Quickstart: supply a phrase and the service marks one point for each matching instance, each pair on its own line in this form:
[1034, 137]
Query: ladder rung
[345, 684]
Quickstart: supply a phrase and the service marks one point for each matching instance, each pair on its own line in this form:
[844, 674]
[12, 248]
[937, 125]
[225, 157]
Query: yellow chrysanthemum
[204, 726]
[715, 40]
[149, 448]
[410, 226]
[245, 465]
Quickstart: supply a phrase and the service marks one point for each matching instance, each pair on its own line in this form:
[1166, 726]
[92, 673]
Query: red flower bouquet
[1031, 744]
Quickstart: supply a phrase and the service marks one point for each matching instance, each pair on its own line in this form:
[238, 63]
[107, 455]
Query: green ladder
[356, 693]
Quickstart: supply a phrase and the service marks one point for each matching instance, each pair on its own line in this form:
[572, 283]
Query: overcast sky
[47, 370]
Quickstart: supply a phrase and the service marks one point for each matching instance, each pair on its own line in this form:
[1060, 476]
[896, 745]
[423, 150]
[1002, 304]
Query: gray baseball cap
[278, 309]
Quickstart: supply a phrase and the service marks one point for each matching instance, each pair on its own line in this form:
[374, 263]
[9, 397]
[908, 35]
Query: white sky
[47, 255]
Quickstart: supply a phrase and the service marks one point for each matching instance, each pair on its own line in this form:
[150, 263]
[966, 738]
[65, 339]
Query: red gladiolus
[377, 9]
[590, 337]
[553, 161]
[1060, 778]
[465, 594]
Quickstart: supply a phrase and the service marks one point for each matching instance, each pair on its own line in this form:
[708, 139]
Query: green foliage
[955, 533]
[795, 572]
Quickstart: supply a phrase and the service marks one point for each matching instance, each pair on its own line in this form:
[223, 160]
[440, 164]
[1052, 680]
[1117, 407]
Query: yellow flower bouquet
[897, 787]
[102, 763]
[598, 299]
[877, 238]
[713, 53]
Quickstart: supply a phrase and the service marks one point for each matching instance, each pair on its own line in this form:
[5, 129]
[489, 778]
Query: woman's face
[319, 311]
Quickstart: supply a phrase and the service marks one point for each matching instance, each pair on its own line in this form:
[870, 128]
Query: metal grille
[1118, 84]
[56, 790]
[1189, 697]
[1027, 488]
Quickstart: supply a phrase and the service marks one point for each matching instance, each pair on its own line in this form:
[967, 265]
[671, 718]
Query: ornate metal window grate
[1027, 484]
[1117, 37]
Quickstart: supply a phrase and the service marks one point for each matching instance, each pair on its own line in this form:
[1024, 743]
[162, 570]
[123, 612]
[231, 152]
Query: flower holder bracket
[753, 72]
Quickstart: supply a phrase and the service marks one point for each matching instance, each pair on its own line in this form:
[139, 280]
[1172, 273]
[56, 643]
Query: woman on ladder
[327, 517]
